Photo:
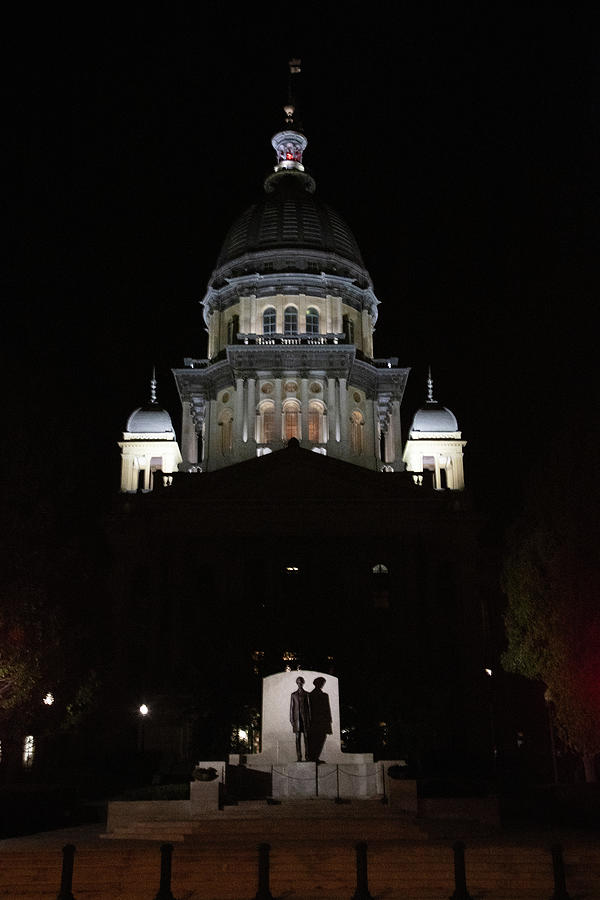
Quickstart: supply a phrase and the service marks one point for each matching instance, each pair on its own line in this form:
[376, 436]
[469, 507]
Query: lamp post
[144, 710]
[489, 672]
[548, 702]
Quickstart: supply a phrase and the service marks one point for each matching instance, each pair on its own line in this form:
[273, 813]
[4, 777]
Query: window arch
[266, 422]
[316, 430]
[348, 327]
[291, 420]
[233, 327]
[290, 320]
[357, 432]
[226, 426]
[312, 320]
[269, 320]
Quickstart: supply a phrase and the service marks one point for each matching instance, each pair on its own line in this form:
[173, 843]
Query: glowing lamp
[144, 710]
[48, 699]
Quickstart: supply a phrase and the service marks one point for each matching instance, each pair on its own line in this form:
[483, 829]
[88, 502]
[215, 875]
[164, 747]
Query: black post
[66, 878]
[362, 880]
[560, 885]
[164, 891]
[460, 876]
[263, 892]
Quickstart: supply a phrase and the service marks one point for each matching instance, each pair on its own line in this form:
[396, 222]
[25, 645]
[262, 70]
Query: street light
[143, 710]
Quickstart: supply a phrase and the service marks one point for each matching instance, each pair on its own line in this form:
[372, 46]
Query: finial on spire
[153, 386]
[295, 67]
[429, 386]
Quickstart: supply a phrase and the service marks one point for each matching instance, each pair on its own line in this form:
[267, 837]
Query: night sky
[460, 145]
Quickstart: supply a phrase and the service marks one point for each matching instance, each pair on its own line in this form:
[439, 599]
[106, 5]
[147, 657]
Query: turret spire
[153, 399]
[429, 386]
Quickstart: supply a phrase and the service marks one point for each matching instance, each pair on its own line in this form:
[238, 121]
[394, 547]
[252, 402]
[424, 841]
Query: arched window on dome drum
[226, 427]
[269, 320]
[348, 326]
[233, 326]
[316, 423]
[291, 420]
[266, 422]
[357, 432]
[290, 320]
[312, 321]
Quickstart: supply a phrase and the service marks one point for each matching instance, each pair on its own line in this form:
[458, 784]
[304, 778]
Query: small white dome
[151, 419]
[434, 417]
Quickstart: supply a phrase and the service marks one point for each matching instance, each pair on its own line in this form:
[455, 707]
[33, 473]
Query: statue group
[310, 717]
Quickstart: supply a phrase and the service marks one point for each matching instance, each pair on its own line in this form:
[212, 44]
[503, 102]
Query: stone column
[238, 414]
[251, 408]
[189, 438]
[332, 411]
[343, 415]
[304, 409]
[278, 411]
[396, 428]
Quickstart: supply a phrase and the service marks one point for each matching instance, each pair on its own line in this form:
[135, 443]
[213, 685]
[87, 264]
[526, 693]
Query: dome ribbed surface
[290, 218]
[434, 417]
[150, 419]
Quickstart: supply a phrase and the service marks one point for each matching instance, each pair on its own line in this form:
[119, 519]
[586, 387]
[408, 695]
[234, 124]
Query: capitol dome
[150, 419]
[290, 217]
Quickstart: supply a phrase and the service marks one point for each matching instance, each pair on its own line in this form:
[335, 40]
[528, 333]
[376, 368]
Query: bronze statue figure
[300, 717]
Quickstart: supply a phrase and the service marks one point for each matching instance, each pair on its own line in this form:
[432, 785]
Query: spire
[289, 144]
[153, 399]
[429, 386]
[295, 67]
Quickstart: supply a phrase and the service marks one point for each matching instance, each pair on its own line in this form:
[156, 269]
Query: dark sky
[461, 146]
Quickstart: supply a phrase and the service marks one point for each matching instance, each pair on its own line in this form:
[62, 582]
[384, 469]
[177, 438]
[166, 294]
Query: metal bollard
[460, 876]
[362, 881]
[164, 891]
[558, 865]
[263, 892]
[66, 878]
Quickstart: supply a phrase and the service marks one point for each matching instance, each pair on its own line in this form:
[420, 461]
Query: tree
[552, 581]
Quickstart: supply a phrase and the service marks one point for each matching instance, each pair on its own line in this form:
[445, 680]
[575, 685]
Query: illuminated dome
[289, 217]
[433, 417]
[151, 419]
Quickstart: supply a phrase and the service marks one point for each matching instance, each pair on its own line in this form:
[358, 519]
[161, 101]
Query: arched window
[266, 422]
[269, 320]
[356, 432]
[291, 420]
[233, 326]
[348, 326]
[290, 320]
[226, 426]
[380, 569]
[315, 422]
[312, 321]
